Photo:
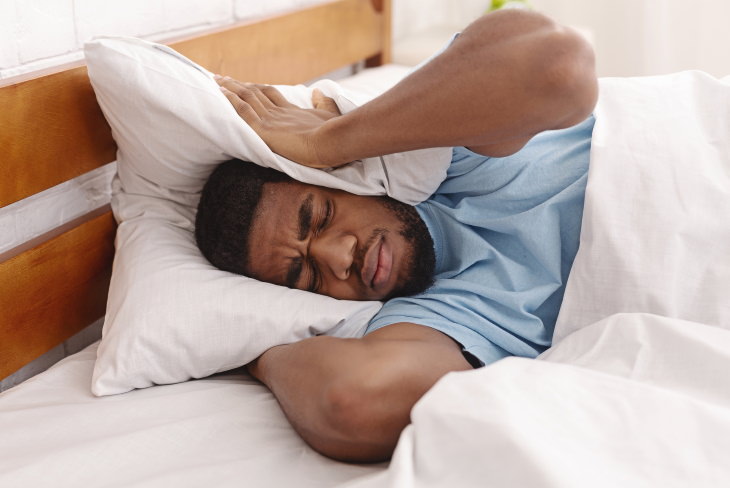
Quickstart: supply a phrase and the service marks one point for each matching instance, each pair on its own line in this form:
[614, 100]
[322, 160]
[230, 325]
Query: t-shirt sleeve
[428, 310]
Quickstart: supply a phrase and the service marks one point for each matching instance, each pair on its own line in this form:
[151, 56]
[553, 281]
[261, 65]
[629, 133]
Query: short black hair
[226, 211]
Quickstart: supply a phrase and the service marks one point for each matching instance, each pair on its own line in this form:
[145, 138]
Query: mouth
[377, 264]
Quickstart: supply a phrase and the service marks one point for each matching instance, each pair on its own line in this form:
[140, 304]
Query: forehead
[273, 231]
[277, 200]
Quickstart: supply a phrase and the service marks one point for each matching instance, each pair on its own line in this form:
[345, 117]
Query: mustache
[361, 250]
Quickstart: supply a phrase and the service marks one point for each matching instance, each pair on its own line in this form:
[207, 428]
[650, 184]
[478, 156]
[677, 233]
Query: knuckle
[245, 92]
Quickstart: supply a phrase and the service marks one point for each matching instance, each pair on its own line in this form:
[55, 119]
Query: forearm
[307, 379]
[297, 375]
[507, 77]
[351, 398]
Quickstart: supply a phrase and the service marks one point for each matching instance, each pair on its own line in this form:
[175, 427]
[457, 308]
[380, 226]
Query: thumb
[322, 102]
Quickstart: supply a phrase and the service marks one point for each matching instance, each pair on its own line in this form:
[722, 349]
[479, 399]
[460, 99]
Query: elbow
[357, 430]
[553, 64]
[567, 64]
[363, 413]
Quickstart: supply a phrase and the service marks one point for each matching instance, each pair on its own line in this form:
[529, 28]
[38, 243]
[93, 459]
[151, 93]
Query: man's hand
[287, 129]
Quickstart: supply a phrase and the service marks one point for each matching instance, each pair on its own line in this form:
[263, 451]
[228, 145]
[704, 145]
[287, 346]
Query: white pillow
[171, 316]
[656, 223]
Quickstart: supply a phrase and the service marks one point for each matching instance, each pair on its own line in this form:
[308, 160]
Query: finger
[322, 102]
[260, 95]
[270, 93]
[233, 84]
[247, 93]
[244, 110]
[275, 96]
[225, 79]
[240, 85]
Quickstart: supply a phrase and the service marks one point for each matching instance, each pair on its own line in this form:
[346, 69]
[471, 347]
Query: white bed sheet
[227, 430]
[635, 400]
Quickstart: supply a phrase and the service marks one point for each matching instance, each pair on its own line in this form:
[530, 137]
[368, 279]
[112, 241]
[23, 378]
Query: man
[500, 234]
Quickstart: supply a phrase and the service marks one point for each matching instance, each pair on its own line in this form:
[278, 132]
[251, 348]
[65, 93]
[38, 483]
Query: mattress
[226, 430]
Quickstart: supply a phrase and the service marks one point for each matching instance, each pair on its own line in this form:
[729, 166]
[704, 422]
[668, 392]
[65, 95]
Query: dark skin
[328, 242]
[509, 76]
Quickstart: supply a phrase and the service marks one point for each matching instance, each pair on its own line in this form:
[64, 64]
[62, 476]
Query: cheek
[361, 212]
[344, 290]
[266, 264]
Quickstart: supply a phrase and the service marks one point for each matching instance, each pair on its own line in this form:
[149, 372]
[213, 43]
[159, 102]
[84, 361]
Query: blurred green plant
[498, 4]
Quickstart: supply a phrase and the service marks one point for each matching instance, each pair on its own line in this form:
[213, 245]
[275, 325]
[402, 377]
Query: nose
[334, 253]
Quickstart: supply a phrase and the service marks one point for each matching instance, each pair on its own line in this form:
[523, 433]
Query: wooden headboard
[52, 130]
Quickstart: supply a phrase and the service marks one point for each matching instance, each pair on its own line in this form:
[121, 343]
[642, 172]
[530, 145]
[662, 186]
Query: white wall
[631, 37]
[422, 27]
[35, 34]
[645, 37]
[411, 17]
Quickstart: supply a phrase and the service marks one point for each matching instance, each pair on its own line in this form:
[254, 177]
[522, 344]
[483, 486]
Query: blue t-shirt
[505, 232]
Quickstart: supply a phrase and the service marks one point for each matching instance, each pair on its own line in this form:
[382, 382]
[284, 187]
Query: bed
[633, 393]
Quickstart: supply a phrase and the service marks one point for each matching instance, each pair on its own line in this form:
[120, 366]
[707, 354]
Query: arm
[507, 77]
[350, 398]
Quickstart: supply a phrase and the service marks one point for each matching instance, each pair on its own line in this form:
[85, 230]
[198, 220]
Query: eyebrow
[305, 222]
[305, 217]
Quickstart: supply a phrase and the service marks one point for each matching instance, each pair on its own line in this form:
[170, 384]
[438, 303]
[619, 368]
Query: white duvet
[636, 389]
[636, 400]
[635, 392]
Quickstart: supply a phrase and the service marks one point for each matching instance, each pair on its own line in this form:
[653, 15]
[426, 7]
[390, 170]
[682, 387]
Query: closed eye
[292, 276]
[296, 266]
[327, 217]
[315, 279]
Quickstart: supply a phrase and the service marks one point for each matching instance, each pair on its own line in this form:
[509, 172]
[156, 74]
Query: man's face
[338, 244]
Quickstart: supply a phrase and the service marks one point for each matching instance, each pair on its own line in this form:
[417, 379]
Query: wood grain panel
[54, 290]
[294, 48]
[52, 130]
[385, 54]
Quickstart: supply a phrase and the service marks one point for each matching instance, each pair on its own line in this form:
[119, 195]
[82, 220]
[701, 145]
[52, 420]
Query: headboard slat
[54, 290]
[52, 130]
[294, 48]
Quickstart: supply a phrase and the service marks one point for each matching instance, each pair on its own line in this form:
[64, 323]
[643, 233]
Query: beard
[421, 257]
